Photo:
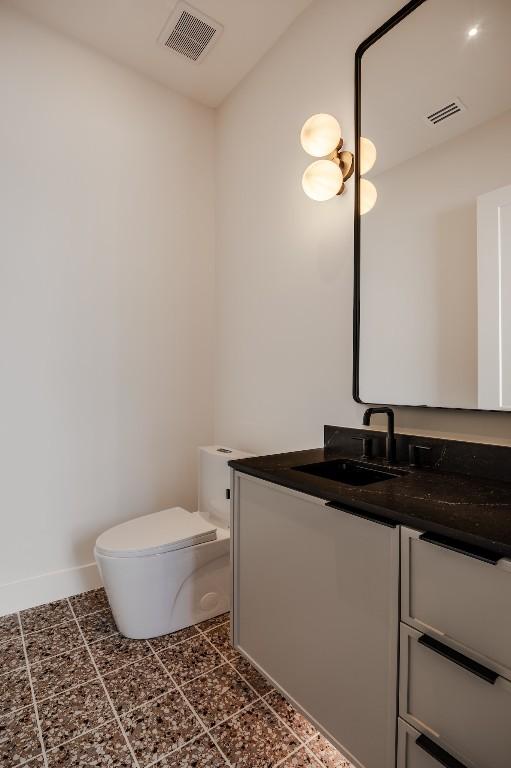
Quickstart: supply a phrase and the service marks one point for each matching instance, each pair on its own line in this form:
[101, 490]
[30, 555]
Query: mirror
[433, 256]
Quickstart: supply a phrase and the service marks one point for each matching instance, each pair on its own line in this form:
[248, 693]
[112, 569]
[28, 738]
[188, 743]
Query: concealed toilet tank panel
[214, 481]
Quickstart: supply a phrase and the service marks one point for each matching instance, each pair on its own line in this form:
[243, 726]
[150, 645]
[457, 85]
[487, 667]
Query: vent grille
[453, 107]
[189, 32]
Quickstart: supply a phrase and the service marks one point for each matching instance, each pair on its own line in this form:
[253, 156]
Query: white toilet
[170, 569]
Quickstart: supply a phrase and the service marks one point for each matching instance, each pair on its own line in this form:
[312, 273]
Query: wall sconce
[368, 193]
[321, 137]
[324, 179]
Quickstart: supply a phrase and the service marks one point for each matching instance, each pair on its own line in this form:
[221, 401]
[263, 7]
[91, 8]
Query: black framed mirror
[432, 294]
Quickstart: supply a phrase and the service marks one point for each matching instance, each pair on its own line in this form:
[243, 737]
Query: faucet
[391, 442]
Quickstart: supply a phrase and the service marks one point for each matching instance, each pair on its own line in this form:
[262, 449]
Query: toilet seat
[154, 534]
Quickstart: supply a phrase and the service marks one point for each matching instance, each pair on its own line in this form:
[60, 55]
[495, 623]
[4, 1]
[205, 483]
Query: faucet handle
[367, 449]
[413, 453]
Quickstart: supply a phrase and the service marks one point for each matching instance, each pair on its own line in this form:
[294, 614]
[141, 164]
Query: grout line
[34, 702]
[11, 639]
[235, 714]
[291, 754]
[309, 751]
[81, 735]
[139, 707]
[91, 613]
[177, 749]
[18, 710]
[100, 639]
[79, 647]
[211, 629]
[108, 672]
[66, 621]
[173, 645]
[12, 671]
[67, 690]
[192, 708]
[263, 698]
[44, 659]
[104, 637]
[64, 651]
[302, 743]
[53, 695]
[117, 718]
[260, 697]
[308, 740]
[192, 679]
[46, 629]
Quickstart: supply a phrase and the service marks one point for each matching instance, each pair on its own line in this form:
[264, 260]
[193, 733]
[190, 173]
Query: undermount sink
[349, 472]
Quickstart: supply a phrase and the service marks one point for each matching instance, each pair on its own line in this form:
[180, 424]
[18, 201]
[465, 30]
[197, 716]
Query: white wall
[106, 303]
[284, 263]
[106, 285]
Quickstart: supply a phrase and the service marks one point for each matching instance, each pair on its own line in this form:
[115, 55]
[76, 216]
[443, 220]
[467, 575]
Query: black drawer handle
[458, 658]
[436, 752]
[361, 513]
[464, 549]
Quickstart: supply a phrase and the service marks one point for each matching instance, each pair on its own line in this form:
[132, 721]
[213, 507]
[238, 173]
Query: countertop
[464, 508]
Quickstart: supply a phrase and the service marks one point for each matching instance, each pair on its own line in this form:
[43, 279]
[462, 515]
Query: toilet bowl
[170, 569]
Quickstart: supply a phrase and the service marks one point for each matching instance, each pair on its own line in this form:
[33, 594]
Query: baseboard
[37, 590]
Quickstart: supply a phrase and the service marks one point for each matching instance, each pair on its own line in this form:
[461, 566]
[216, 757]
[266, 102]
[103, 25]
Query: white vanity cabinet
[316, 609]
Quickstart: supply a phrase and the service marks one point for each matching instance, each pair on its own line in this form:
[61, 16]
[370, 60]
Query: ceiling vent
[453, 107]
[190, 32]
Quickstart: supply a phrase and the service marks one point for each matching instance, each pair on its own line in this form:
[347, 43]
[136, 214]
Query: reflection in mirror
[435, 251]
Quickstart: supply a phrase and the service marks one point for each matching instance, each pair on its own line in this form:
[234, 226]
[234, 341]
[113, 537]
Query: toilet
[170, 569]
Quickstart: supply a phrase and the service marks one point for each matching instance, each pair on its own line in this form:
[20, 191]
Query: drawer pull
[436, 752]
[374, 518]
[464, 549]
[458, 658]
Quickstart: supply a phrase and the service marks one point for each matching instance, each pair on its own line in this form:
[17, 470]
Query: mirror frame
[405, 11]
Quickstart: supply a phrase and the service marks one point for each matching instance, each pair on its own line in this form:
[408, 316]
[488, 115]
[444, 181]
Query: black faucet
[391, 441]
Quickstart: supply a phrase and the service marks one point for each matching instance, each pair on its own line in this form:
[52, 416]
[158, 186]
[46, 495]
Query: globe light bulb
[322, 180]
[368, 196]
[320, 135]
[367, 155]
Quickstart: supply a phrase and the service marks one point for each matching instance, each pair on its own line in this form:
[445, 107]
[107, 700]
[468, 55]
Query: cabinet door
[315, 608]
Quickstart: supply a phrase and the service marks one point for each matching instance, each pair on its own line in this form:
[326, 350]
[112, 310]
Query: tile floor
[74, 692]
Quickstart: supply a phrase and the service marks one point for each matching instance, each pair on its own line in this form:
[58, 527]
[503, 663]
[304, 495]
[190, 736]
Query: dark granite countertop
[465, 508]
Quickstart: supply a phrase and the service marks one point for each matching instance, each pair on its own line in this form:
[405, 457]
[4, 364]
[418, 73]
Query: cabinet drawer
[463, 706]
[455, 595]
[414, 750]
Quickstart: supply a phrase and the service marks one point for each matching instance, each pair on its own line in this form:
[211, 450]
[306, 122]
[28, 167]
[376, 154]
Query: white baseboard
[38, 590]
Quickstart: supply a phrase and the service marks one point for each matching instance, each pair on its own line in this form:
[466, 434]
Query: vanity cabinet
[316, 609]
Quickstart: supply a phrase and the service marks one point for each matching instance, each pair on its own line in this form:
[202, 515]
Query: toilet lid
[154, 534]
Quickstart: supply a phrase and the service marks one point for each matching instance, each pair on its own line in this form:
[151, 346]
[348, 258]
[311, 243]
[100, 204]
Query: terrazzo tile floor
[74, 693]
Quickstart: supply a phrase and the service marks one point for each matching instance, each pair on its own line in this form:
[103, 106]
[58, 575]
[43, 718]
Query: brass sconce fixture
[325, 178]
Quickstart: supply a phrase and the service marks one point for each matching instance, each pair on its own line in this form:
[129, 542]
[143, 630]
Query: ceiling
[127, 31]
[424, 63]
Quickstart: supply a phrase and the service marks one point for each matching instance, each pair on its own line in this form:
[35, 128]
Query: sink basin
[349, 472]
